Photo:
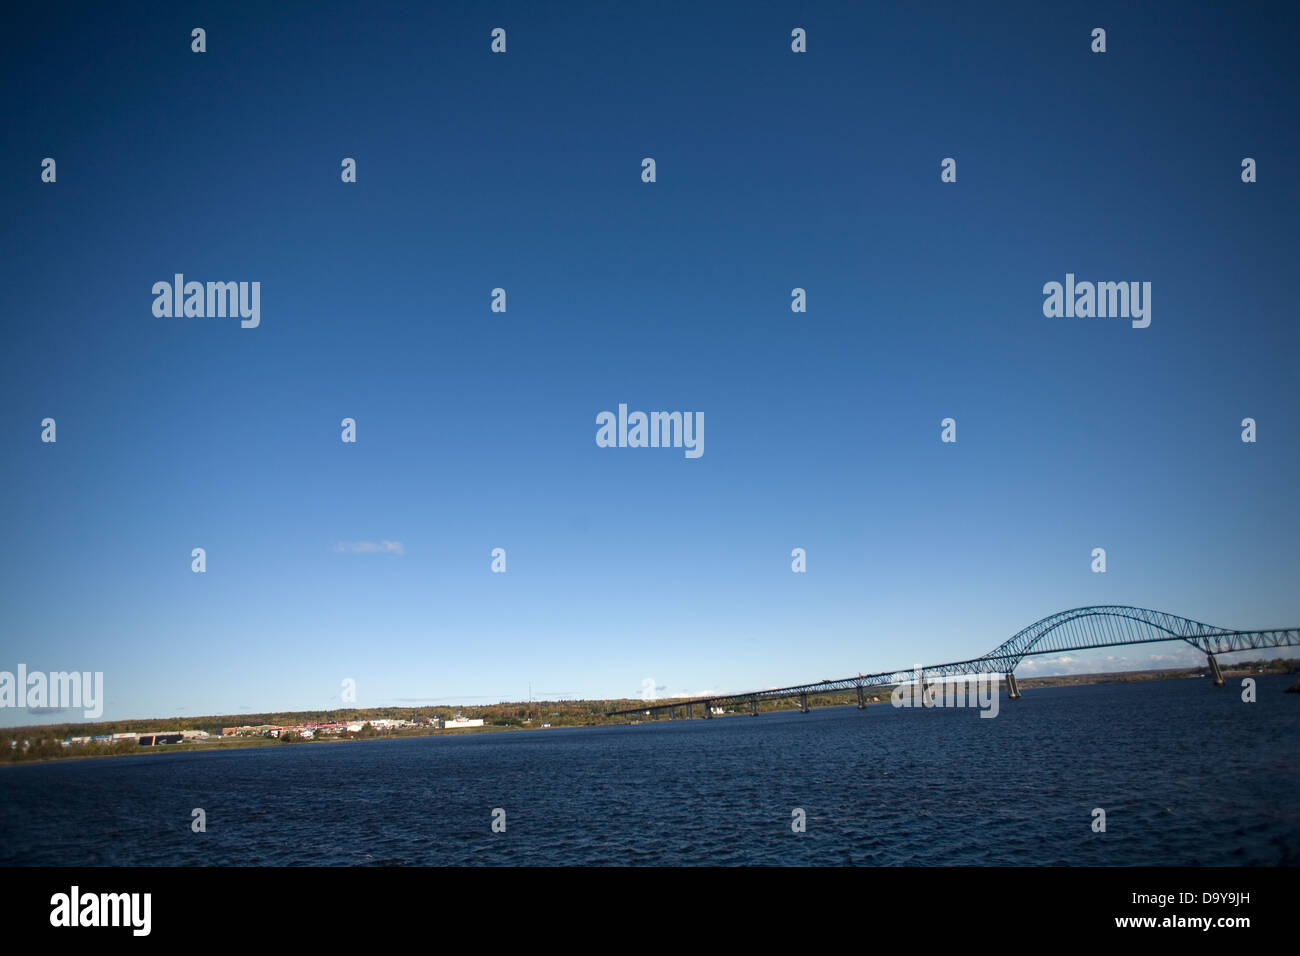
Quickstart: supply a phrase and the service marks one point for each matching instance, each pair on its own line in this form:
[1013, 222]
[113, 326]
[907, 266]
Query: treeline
[504, 713]
[47, 748]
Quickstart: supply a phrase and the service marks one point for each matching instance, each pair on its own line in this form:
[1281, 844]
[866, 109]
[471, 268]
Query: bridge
[1081, 628]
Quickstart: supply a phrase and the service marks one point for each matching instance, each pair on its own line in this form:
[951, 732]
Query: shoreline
[1026, 683]
[253, 743]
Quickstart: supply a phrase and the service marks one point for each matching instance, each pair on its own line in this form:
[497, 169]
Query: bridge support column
[803, 703]
[1214, 670]
[753, 706]
[1013, 689]
[708, 709]
[690, 711]
[862, 698]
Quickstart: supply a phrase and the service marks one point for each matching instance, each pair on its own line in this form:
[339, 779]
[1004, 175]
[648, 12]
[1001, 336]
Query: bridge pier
[690, 711]
[1013, 689]
[708, 709]
[862, 699]
[1214, 670]
[753, 706]
[803, 703]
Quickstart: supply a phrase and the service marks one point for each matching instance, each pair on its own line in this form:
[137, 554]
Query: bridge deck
[1076, 629]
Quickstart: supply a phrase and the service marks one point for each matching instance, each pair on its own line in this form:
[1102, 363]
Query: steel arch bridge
[1080, 628]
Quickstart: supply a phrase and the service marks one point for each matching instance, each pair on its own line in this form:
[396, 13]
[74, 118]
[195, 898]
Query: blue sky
[476, 430]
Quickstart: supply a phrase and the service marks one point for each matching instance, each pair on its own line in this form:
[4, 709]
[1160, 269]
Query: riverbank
[42, 740]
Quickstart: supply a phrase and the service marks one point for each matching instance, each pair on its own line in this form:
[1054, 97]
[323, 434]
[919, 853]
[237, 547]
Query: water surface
[1187, 773]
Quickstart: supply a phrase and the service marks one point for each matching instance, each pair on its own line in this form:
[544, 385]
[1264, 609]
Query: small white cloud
[371, 547]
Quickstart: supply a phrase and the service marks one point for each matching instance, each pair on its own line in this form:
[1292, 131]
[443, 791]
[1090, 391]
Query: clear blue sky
[476, 430]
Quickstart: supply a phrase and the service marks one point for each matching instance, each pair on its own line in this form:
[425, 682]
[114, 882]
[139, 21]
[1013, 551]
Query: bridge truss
[1081, 628]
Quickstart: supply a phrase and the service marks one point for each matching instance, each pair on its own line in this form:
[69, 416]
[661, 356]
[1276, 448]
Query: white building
[457, 723]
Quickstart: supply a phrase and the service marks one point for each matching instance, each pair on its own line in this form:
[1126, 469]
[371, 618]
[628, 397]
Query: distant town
[116, 738]
[300, 731]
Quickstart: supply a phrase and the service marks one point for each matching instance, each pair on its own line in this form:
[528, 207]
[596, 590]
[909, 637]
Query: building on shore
[458, 722]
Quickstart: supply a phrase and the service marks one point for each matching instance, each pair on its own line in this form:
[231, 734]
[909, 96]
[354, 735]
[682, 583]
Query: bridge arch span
[1104, 625]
